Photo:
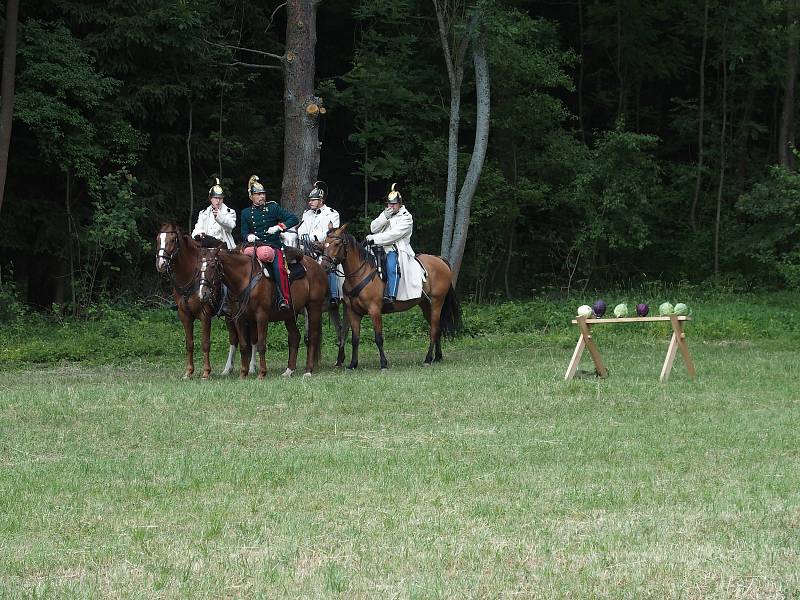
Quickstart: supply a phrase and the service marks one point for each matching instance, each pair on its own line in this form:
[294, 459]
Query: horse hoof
[426, 364]
[226, 372]
[306, 375]
[287, 373]
[384, 370]
[261, 376]
[187, 375]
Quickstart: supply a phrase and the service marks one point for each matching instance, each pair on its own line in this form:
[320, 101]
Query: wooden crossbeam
[677, 342]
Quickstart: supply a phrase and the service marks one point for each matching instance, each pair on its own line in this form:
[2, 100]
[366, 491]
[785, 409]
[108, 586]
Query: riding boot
[283, 304]
[333, 288]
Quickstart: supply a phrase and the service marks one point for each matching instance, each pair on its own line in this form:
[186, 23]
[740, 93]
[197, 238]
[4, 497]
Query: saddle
[294, 262]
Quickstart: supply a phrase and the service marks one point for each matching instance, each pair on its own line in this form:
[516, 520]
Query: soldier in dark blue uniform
[262, 224]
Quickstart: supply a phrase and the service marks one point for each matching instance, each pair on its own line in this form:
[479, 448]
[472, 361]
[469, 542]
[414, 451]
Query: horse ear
[342, 229]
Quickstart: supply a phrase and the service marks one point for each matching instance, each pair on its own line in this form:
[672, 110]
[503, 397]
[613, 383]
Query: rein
[189, 288]
[243, 299]
[337, 262]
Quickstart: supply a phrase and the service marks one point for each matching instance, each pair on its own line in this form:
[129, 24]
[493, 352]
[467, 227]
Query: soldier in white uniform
[315, 223]
[217, 221]
[392, 230]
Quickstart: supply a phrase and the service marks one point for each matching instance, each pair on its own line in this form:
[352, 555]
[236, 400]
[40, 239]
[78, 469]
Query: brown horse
[179, 257]
[363, 294]
[251, 298]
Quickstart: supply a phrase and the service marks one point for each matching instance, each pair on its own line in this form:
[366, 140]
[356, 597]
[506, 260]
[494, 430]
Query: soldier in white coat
[315, 223]
[217, 221]
[392, 230]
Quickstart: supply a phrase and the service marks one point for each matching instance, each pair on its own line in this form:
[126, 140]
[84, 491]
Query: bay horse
[251, 298]
[179, 258]
[363, 294]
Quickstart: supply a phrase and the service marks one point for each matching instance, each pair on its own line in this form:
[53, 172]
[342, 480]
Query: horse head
[334, 248]
[168, 245]
[210, 274]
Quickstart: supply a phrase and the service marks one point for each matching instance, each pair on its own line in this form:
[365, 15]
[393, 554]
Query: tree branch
[251, 65]
[261, 52]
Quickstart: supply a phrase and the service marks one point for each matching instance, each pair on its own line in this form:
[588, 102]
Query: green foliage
[772, 235]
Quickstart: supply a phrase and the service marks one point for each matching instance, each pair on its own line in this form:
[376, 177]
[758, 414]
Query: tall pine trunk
[786, 127]
[302, 109]
[7, 89]
[700, 121]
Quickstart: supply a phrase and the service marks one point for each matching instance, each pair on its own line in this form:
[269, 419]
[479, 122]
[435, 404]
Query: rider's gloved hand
[274, 229]
[388, 212]
[370, 239]
[251, 237]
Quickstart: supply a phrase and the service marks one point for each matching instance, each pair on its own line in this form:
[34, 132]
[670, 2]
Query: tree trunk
[366, 180]
[700, 121]
[7, 89]
[786, 129]
[717, 218]
[302, 109]
[455, 74]
[189, 162]
[580, 71]
[471, 179]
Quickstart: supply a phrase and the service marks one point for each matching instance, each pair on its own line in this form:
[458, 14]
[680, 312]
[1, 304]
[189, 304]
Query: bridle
[162, 252]
[337, 260]
[184, 290]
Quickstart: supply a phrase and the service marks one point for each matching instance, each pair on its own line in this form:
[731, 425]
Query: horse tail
[450, 320]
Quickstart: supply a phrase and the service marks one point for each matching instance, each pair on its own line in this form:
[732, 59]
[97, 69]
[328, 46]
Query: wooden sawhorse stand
[678, 341]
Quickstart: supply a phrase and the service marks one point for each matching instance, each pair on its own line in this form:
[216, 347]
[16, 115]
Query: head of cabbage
[665, 309]
[621, 310]
[585, 311]
[681, 309]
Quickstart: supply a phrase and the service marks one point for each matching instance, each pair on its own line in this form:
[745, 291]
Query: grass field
[484, 477]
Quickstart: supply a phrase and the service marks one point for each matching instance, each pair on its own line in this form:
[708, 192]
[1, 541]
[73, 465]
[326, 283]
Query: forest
[555, 145]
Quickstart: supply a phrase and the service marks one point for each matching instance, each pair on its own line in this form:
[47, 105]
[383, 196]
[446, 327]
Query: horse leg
[205, 322]
[294, 345]
[425, 305]
[377, 324]
[261, 333]
[355, 327]
[188, 329]
[312, 350]
[253, 362]
[233, 340]
[341, 326]
[245, 347]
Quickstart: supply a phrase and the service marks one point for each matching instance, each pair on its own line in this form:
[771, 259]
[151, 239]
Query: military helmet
[255, 187]
[319, 192]
[394, 195]
[216, 190]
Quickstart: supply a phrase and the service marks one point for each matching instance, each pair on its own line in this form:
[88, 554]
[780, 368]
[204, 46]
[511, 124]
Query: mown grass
[483, 477]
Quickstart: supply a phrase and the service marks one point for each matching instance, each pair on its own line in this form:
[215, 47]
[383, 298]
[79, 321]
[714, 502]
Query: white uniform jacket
[219, 227]
[315, 223]
[394, 233]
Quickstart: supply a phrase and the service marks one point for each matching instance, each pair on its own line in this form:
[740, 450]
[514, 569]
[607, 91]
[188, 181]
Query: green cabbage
[621, 310]
[665, 309]
[681, 309]
[585, 311]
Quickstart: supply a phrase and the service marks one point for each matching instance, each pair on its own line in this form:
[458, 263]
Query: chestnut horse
[179, 257]
[251, 298]
[363, 294]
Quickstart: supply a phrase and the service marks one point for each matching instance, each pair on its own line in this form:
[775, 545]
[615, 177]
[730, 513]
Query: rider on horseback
[215, 223]
[316, 222]
[262, 224]
[392, 230]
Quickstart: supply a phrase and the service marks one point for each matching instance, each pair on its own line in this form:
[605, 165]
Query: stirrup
[284, 305]
[388, 300]
[334, 302]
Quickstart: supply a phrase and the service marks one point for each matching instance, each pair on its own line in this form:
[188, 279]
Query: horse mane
[351, 241]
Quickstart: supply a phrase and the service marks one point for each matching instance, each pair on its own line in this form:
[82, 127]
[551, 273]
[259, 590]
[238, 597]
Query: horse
[179, 257]
[251, 297]
[363, 294]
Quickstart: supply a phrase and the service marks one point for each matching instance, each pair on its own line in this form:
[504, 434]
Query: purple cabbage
[642, 309]
[599, 308]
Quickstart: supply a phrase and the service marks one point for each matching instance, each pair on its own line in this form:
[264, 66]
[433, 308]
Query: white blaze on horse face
[202, 279]
[161, 251]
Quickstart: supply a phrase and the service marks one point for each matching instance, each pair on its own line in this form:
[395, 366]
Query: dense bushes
[117, 336]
